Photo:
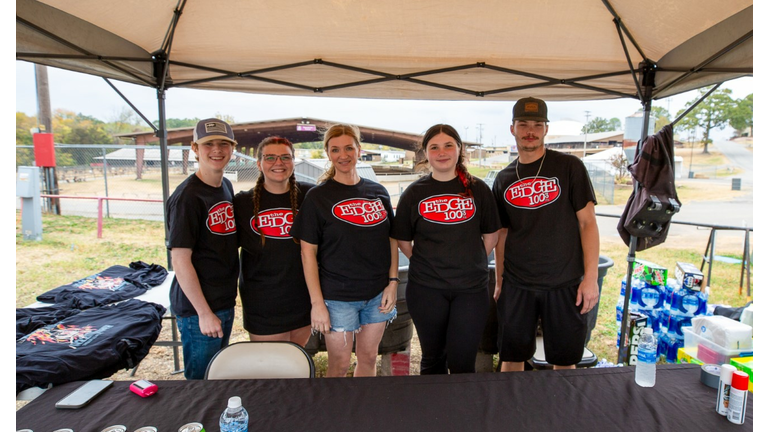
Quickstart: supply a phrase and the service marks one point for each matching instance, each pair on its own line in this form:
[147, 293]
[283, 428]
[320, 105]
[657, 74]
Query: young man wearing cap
[203, 241]
[547, 254]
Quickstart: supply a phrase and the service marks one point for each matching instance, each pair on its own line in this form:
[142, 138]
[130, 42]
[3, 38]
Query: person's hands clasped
[389, 298]
[320, 318]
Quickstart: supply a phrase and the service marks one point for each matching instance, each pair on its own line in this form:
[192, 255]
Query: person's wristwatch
[394, 279]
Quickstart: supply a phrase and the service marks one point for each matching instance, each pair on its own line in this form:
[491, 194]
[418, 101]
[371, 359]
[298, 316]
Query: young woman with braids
[272, 289]
[350, 261]
[447, 224]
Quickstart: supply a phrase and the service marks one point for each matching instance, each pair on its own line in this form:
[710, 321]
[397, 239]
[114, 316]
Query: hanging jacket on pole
[114, 284]
[93, 344]
[649, 211]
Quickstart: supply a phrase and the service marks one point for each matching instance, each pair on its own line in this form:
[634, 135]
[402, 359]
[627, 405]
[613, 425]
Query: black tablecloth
[575, 400]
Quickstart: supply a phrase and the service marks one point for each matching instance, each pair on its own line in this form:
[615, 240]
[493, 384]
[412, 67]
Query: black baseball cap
[530, 109]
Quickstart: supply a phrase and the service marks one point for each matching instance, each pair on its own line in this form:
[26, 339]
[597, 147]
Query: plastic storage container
[709, 352]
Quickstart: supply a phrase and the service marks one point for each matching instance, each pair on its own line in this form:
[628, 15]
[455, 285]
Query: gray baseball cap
[211, 129]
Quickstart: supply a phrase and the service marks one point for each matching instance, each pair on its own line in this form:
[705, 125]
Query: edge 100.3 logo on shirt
[531, 193]
[221, 219]
[274, 223]
[361, 212]
[447, 209]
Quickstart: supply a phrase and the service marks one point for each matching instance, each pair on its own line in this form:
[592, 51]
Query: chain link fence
[602, 175]
[127, 172]
[133, 174]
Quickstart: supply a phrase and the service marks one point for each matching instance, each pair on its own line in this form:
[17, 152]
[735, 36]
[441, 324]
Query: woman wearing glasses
[447, 224]
[350, 262]
[272, 289]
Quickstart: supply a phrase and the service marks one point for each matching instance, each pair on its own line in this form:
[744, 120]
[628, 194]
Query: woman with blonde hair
[350, 262]
[447, 224]
[272, 289]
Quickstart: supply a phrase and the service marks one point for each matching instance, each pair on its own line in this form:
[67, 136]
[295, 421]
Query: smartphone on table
[83, 394]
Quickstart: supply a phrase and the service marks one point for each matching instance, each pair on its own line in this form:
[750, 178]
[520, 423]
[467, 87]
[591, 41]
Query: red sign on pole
[45, 154]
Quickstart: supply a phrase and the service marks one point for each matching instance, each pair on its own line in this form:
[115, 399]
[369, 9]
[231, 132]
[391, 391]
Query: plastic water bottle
[235, 417]
[645, 370]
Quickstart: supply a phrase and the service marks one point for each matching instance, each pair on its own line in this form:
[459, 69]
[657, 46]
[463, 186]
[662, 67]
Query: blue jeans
[199, 349]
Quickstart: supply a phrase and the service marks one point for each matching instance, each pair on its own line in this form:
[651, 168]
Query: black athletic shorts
[563, 326]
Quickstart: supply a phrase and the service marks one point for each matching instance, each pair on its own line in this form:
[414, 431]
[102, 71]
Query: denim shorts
[349, 316]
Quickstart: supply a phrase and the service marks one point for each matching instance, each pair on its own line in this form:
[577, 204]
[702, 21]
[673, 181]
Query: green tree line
[69, 127]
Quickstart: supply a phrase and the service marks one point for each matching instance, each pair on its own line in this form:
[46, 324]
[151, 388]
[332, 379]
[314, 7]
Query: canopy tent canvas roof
[399, 49]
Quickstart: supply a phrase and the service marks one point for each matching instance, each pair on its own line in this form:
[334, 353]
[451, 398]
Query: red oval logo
[221, 219]
[447, 209]
[361, 212]
[532, 192]
[274, 223]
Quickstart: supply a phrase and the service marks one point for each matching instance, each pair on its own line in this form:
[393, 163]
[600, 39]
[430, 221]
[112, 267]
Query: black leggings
[450, 324]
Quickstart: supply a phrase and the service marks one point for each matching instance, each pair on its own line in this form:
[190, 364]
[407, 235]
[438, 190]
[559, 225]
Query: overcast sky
[92, 96]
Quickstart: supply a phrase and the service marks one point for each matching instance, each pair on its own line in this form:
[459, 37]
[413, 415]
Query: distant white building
[309, 170]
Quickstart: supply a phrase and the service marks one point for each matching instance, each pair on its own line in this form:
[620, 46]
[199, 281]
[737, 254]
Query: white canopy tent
[397, 49]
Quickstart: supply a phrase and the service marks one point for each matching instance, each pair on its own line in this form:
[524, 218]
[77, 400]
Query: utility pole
[480, 141]
[585, 135]
[45, 125]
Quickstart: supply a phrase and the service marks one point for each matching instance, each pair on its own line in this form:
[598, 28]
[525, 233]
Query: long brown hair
[335, 131]
[293, 188]
[464, 176]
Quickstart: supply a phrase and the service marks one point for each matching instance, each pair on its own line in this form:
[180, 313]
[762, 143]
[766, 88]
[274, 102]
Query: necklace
[537, 172]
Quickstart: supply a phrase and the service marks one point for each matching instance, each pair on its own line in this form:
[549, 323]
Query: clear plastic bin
[709, 352]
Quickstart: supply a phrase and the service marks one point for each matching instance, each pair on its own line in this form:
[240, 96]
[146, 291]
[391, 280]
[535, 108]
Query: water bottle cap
[234, 402]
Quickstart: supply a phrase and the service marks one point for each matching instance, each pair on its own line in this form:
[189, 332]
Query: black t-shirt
[111, 285]
[93, 344]
[32, 318]
[201, 218]
[446, 229]
[272, 287]
[350, 225]
[543, 248]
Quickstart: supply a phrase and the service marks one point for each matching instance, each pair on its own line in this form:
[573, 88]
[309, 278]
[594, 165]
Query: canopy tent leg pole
[745, 263]
[647, 85]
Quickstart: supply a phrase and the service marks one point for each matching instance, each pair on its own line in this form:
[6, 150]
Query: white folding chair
[250, 360]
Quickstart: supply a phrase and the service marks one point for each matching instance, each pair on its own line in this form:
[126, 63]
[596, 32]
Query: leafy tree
[23, 125]
[599, 124]
[662, 117]
[126, 121]
[24, 157]
[173, 123]
[741, 116]
[713, 112]
[71, 128]
[619, 161]
[225, 117]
